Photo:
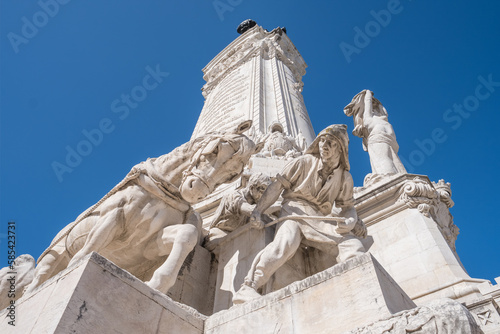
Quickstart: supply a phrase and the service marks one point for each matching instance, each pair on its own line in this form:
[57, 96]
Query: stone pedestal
[486, 310]
[443, 316]
[95, 296]
[356, 292]
[195, 285]
[404, 234]
[235, 254]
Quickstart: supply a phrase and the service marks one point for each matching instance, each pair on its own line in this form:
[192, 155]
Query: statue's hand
[345, 226]
[256, 220]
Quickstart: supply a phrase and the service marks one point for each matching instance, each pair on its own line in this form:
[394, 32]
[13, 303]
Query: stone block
[486, 312]
[195, 284]
[235, 256]
[408, 242]
[358, 291]
[95, 296]
[443, 316]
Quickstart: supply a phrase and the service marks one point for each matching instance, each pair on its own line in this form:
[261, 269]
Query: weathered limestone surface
[95, 296]
[355, 292]
[406, 236]
[442, 316]
[486, 310]
[235, 254]
[195, 284]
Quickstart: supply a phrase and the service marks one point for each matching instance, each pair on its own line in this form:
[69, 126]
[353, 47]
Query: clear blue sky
[62, 72]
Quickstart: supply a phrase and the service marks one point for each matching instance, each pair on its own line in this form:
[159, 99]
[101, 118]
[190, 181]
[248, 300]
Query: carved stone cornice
[254, 42]
[400, 192]
[381, 200]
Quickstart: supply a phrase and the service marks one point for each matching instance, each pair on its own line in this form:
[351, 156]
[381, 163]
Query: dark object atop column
[245, 25]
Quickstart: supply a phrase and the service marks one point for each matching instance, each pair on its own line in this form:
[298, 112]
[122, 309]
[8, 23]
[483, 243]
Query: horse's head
[219, 158]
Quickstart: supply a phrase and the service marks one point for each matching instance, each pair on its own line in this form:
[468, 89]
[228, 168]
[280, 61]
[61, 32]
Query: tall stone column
[259, 77]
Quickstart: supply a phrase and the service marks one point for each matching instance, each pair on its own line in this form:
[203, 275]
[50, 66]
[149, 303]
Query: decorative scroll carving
[432, 200]
[419, 194]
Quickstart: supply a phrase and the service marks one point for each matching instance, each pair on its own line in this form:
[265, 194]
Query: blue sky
[433, 64]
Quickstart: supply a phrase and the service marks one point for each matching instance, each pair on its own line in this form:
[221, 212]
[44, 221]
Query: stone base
[95, 296]
[195, 284]
[443, 316]
[406, 219]
[348, 295]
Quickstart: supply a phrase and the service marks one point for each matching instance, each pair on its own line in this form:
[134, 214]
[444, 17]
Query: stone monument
[269, 219]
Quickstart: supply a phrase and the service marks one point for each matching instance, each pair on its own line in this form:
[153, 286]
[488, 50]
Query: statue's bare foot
[245, 294]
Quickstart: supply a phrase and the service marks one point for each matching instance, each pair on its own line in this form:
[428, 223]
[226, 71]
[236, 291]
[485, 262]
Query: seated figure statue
[311, 185]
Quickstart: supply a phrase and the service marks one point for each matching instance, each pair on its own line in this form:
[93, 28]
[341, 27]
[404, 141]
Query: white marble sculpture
[443, 216]
[236, 207]
[379, 139]
[148, 215]
[313, 185]
[278, 145]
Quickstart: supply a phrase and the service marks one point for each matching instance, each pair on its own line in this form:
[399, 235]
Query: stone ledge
[355, 292]
[96, 296]
[443, 316]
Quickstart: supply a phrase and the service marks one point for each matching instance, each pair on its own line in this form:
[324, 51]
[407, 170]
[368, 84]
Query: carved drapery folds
[433, 200]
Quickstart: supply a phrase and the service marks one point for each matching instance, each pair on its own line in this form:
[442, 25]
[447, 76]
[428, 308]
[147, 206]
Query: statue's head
[257, 184]
[332, 141]
[217, 159]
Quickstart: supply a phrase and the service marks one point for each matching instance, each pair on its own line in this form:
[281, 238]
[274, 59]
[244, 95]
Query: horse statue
[146, 222]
